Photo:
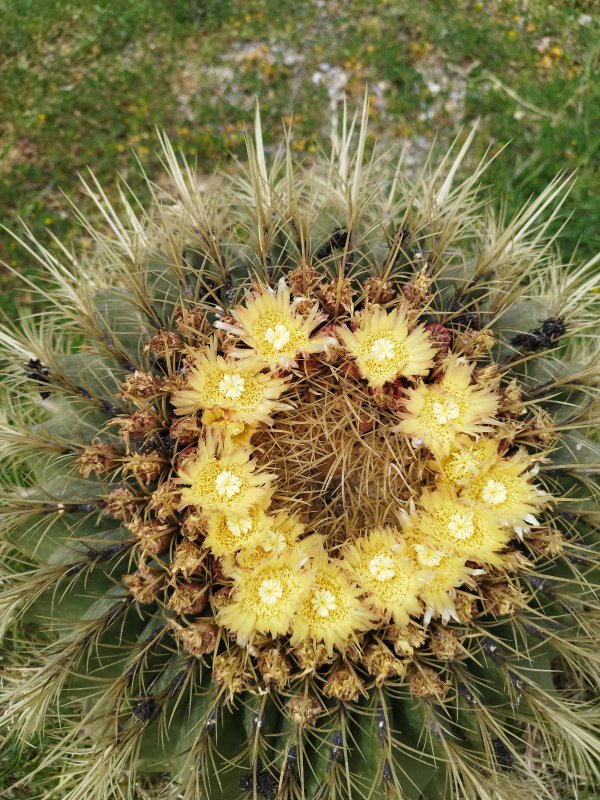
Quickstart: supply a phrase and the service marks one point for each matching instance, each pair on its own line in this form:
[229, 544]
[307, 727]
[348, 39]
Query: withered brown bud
[186, 430]
[304, 709]
[380, 662]
[153, 536]
[188, 598]
[440, 337]
[136, 426]
[547, 542]
[475, 344]
[99, 458]
[220, 599]
[445, 642]
[336, 295]
[190, 319]
[228, 671]
[146, 467]
[194, 525]
[121, 503]
[164, 343]
[378, 290]
[310, 656]
[198, 638]
[302, 279]
[274, 667]
[344, 684]
[144, 586]
[141, 385]
[418, 291]
[511, 399]
[502, 599]
[165, 500]
[405, 639]
[425, 682]
[466, 607]
[187, 559]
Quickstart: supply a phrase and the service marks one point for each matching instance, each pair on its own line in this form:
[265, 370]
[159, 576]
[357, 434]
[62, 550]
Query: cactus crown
[300, 489]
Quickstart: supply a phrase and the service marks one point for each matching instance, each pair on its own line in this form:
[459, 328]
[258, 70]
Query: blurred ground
[86, 82]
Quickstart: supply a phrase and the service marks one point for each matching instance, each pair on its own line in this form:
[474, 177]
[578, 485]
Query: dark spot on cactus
[75, 569]
[516, 680]
[502, 753]
[381, 726]
[110, 409]
[543, 338]
[38, 372]
[176, 682]
[146, 710]
[266, 784]
[469, 319]
[292, 756]
[387, 771]
[534, 631]
[211, 724]
[465, 692]
[83, 508]
[337, 241]
[108, 552]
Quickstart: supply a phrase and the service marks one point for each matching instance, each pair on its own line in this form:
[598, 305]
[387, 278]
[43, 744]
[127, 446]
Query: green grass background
[86, 82]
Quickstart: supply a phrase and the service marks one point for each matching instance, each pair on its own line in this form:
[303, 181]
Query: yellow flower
[378, 563]
[265, 598]
[331, 611]
[506, 491]
[467, 459]
[384, 349]
[278, 535]
[240, 433]
[228, 533]
[221, 477]
[275, 331]
[243, 393]
[461, 528]
[445, 572]
[435, 415]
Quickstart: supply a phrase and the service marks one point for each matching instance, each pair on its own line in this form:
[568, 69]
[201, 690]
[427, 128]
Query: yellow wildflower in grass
[243, 392]
[468, 531]
[446, 571]
[384, 349]
[506, 491]
[221, 477]
[331, 611]
[436, 414]
[228, 533]
[274, 330]
[379, 565]
[467, 459]
[265, 598]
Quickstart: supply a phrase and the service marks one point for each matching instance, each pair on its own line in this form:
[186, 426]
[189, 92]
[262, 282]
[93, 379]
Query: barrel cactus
[298, 497]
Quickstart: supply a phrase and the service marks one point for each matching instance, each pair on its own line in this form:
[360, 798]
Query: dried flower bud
[310, 656]
[165, 500]
[144, 585]
[146, 467]
[186, 430]
[220, 599]
[502, 599]
[99, 458]
[190, 319]
[122, 504]
[188, 598]
[440, 337]
[466, 607]
[199, 637]
[475, 344]
[405, 639]
[228, 671]
[425, 682]
[153, 537]
[380, 662]
[304, 709]
[445, 642]
[194, 525]
[140, 385]
[164, 343]
[548, 542]
[136, 426]
[344, 684]
[337, 295]
[378, 290]
[302, 279]
[187, 559]
[274, 667]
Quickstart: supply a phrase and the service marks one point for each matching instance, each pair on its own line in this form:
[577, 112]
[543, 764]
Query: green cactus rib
[515, 711]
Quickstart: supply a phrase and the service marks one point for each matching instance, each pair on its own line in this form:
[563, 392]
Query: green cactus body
[379, 579]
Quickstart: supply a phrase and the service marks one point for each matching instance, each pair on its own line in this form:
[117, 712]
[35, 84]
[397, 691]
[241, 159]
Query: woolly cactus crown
[299, 490]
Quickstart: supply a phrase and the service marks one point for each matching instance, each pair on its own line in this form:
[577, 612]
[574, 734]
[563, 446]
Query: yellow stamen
[278, 336]
[381, 567]
[383, 349]
[494, 493]
[232, 386]
[323, 602]
[446, 410]
[461, 525]
[270, 591]
[227, 484]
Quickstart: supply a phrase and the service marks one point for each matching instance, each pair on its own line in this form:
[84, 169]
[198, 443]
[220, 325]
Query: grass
[86, 82]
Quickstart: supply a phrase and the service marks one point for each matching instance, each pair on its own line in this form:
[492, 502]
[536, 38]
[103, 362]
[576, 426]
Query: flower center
[428, 557]
[232, 386]
[274, 542]
[383, 349]
[446, 410]
[270, 591]
[461, 525]
[227, 484]
[239, 526]
[494, 493]
[381, 567]
[323, 602]
[278, 336]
